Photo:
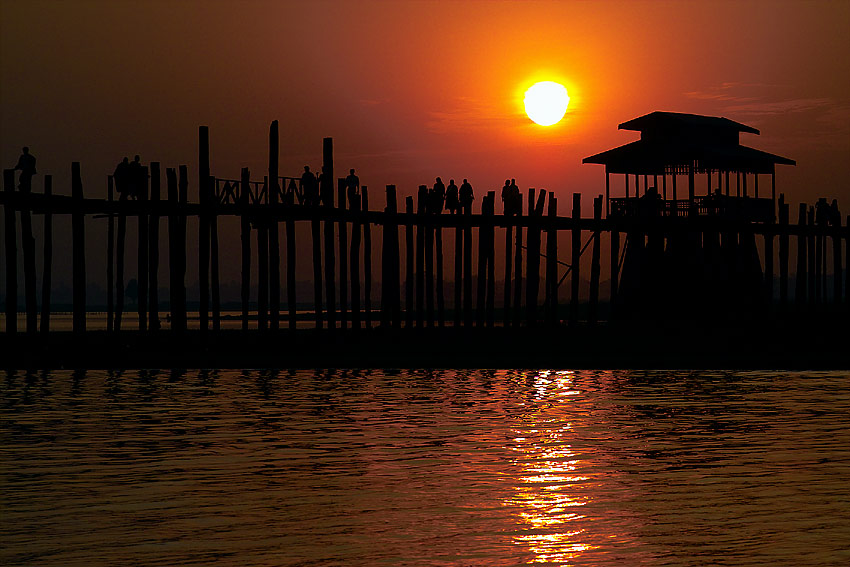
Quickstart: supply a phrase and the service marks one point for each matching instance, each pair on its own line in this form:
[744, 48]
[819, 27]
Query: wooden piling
[204, 226]
[291, 301]
[458, 282]
[215, 289]
[506, 301]
[769, 233]
[517, 303]
[245, 235]
[408, 263]
[316, 232]
[142, 256]
[441, 299]
[367, 258]
[420, 256]
[28, 246]
[575, 261]
[354, 263]
[11, 252]
[274, 234]
[783, 252]
[47, 264]
[800, 295]
[836, 257]
[343, 256]
[153, 248]
[615, 270]
[78, 236]
[552, 264]
[467, 266]
[595, 268]
[533, 270]
[429, 269]
[263, 268]
[176, 253]
[182, 226]
[490, 308]
[810, 251]
[327, 189]
[390, 304]
[481, 274]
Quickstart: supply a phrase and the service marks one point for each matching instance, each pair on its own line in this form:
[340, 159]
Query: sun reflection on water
[546, 498]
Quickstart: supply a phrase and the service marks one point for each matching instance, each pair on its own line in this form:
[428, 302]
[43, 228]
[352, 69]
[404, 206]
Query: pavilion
[673, 144]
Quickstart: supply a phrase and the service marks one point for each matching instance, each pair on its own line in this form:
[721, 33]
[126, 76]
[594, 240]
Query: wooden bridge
[655, 235]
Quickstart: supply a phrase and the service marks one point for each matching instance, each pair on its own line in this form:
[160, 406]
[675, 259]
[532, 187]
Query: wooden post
[663, 186]
[533, 270]
[327, 188]
[847, 261]
[482, 266]
[627, 187]
[769, 230]
[343, 256]
[509, 236]
[800, 295]
[517, 306]
[153, 247]
[575, 262]
[354, 207]
[429, 268]
[119, 261]
[390, 305]
[467, 265]
[608, 192]
[176, 253]
[420, 256]
[142, 256]
[245, 234]
[595, 267]
[810, 241]
[47, 268]
[274, 233]
[11, 253]
[783, 252]
[316, 231]
[441, 300]
[78, 230]
[675, 195]
[215, 289]
[28, 245]
[836, 257]
[408, 262]
[182, 226]
[744, 183]
[691, 182]
[204, 226]
[367, 257]
[458, 283]
[756, 184]
[552, 263]
[615, 269]
[263, 263]
[291, 302]
[490, 308]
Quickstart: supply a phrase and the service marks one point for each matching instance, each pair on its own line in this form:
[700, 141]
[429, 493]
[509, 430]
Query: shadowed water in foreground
[424, 468]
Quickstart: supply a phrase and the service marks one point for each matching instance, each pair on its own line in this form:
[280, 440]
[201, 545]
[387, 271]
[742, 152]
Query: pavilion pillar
[664, 185]
[744, 175]
[607, 193]
[691, 184]
[627, 185]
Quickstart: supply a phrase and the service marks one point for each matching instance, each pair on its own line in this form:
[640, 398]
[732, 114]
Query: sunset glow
[546, 102]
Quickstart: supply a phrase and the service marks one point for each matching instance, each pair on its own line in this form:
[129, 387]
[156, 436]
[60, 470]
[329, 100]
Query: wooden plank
[204, 226]
[408, 262]
[245, 236]
[153, 249]
[273, 228]
[367, 257]
[47, 264]
[343, 257]
[327, 190]
[78, 237]
[142, 255]
[11, 253]
[595, 266]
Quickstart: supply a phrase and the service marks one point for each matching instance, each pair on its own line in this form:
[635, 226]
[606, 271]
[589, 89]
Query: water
[425, 468]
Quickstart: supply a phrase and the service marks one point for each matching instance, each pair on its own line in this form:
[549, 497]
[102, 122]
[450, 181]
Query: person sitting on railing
[452, 197]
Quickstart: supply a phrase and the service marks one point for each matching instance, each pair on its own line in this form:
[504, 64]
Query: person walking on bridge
[26, 164]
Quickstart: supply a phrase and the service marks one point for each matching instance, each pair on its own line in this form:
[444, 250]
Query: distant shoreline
[778, 347]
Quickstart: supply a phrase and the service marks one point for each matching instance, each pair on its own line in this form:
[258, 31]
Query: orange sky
[411, 90]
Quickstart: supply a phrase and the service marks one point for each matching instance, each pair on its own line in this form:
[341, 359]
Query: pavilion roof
[666, 120]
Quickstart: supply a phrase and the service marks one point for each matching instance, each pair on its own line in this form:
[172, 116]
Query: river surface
[380, 467]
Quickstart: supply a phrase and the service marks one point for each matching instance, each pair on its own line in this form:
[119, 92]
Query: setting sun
[546, 102]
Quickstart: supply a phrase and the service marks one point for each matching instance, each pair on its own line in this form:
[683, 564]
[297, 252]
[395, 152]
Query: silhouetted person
[121, 178]
[834, 214]
[438, 197]
[506, 197]
[136, 177]
[308, 187]
[822, 212]
[352, 186]
[26, 164]
[466, 195]
[452, 202]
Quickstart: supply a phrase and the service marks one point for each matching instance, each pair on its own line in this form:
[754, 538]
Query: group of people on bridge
[453, 198]
[129, 178]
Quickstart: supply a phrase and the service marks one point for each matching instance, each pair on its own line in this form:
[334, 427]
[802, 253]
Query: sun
[546, 102]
